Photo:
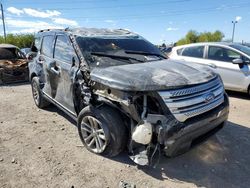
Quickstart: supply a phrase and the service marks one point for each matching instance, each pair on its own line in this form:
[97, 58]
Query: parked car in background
[230, 60]
[246, 44]
[123, 92]
[25, 51]
[13, 65]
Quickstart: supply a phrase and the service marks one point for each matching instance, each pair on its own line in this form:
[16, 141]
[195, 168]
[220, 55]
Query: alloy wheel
[35, 92]
[93, 134]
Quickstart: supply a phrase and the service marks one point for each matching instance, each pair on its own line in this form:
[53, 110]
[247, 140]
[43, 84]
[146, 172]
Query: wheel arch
[32, 75]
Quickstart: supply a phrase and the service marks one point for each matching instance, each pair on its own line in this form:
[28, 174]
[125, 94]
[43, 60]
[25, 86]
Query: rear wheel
[39, 100]
[102, 130]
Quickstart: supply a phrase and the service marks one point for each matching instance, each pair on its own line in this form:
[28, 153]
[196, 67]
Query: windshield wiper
[115, 56]
[144, 53]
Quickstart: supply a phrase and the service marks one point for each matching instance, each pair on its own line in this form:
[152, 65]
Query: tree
[193, 37]
[19, 40]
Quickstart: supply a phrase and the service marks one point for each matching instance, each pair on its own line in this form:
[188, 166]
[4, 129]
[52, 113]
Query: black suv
[123, 92]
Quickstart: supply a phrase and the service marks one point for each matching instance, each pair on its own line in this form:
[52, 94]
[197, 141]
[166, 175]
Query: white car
[230, 60]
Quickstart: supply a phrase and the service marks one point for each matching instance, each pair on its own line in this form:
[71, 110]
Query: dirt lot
[41, 148]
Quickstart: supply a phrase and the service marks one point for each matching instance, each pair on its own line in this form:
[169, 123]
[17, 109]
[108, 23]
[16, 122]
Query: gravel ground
[41, 148]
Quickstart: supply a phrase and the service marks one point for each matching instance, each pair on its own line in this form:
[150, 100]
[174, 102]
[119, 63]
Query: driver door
[66, 61]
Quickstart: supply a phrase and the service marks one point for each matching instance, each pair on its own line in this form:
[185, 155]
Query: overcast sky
[156, 20]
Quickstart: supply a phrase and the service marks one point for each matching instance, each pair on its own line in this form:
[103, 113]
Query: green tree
[19, 40]
[193, 37]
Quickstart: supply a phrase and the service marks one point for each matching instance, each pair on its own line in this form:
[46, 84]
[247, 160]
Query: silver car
[230, 60]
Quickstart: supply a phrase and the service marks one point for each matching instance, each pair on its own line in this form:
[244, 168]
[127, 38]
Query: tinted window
[132, 46]
[195, 51]
[222, 54]
[242, 48]
[63, 49]
[47, 46]
[114, 44]
[179, 51]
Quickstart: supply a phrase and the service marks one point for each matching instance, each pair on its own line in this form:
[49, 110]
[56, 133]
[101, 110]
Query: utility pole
[234, 23]
[4, 31]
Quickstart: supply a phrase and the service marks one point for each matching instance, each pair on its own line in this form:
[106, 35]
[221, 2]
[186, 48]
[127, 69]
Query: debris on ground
[124, 184]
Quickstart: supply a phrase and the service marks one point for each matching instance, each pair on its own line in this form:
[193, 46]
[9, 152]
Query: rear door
[66, 63]
[191, 53]
[45, 58]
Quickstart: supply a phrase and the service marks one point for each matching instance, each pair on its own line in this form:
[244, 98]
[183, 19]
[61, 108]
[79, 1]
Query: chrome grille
[193, 101]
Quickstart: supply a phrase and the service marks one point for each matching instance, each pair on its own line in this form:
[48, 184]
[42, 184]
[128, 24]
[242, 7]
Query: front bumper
[178, 141]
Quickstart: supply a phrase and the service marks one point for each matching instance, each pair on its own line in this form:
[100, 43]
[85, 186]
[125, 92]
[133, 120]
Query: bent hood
[157, 75]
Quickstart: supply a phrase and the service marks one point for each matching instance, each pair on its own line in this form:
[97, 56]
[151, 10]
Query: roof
[228, 44]
[93, 31]
[208, 43]
[7, 46]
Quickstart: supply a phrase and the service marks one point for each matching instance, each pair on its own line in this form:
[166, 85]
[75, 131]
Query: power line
[101, 1]
[116, 6]
[150, 15]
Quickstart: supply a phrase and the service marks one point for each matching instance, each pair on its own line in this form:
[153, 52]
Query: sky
[158, 21]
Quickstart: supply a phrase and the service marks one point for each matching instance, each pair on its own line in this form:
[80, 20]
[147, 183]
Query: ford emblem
[209, 97]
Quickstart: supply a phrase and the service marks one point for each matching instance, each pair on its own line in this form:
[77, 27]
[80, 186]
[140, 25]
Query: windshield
[105, 52]
[10, 53]
[242, 48]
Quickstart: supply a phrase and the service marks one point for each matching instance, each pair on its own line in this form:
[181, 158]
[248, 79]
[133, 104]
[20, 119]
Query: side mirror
[33, 47]
[238, 61]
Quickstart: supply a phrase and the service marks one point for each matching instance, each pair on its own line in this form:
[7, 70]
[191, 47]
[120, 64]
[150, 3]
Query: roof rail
[43, 30]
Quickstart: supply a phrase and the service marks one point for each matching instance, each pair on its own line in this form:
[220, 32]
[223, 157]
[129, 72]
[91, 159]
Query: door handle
[54, 68]
[212, 65]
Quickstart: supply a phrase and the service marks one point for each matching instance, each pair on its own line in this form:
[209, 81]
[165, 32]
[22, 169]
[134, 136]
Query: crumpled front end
[12, 71]
[188, 113]
[169, 120]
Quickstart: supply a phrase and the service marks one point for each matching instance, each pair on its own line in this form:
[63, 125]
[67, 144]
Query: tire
[39, 100]
[103, 127]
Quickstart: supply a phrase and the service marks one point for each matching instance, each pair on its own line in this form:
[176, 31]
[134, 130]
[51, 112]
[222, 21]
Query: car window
[47, 46]
[194, 51]
[222, 54]
[179, 51]
[37, 42]
[63, 49]
[242, 48]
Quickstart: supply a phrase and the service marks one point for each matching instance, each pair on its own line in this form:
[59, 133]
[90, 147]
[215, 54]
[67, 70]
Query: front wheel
[102, 130]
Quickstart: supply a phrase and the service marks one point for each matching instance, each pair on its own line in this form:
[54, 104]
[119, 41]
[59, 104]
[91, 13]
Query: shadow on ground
[15, 84]
[53, 108]
[222, 161]
[239, 95]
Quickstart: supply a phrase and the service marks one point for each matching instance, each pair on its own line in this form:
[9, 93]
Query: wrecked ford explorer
[124, 93]
[13, 65]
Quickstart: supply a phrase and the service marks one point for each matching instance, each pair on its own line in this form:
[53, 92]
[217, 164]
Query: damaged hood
[157, 75]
